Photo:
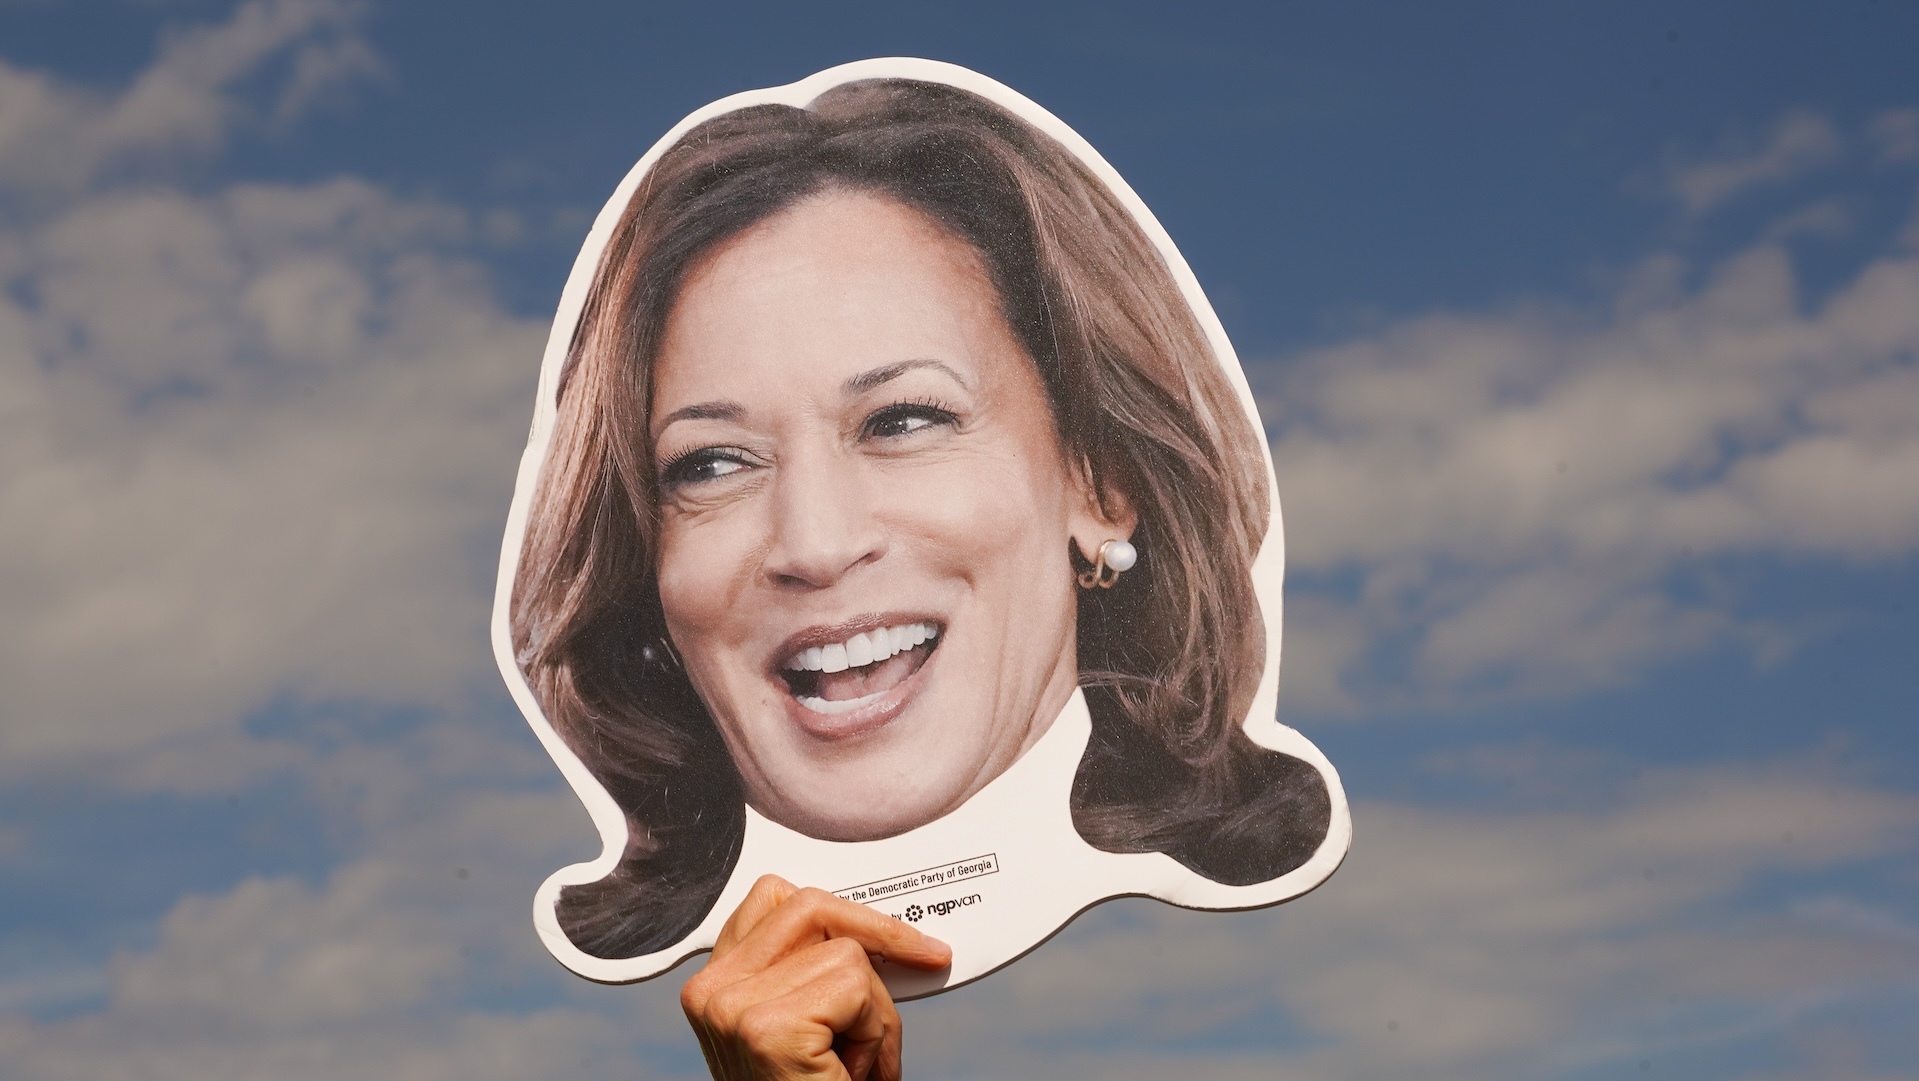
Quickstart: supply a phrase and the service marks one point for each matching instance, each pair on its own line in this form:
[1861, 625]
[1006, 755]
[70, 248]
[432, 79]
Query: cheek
[700, 576]
[996, 518]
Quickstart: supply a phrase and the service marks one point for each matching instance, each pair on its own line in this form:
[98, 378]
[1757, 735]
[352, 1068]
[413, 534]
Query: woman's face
[865, 517]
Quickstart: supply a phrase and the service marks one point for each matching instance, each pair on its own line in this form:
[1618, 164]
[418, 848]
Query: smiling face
[865, 518]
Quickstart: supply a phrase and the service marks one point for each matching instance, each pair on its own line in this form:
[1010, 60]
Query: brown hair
[1169, 658]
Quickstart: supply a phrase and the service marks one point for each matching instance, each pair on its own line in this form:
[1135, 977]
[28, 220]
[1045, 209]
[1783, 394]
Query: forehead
[834, 285]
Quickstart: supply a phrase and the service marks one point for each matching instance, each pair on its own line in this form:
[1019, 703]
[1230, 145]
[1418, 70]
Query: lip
[879, 713]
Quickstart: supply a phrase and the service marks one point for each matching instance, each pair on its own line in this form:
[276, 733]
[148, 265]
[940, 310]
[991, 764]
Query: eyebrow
[873, 377]
[858, 384]
[704, 411]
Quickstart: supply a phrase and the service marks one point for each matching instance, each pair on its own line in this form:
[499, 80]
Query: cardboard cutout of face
[897, 519]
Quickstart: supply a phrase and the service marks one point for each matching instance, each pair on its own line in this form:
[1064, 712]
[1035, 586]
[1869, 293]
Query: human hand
[790, 993]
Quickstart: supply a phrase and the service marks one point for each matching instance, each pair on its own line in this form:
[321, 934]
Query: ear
[1098, 516]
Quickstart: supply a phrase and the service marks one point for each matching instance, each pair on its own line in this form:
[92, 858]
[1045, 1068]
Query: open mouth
[843, 676]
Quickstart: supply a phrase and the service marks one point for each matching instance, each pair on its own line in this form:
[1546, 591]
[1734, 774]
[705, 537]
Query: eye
[702, 465]
[904, 419]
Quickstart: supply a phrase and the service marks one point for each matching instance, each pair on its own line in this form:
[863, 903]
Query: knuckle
[812, 898]
[727, 1008]
[695, 994]
[847, 953]
[849, 982]
[763, 1028]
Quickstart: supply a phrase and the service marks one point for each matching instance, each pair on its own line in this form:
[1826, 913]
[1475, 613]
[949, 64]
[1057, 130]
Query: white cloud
[277, 953]
[59, 136]
[413, 959]
[1513, 492]
[1801, 142]
[1897, 133]
[1827, 219]
[321, 71]
[355, 978]
[1854, 915]
[254, 437]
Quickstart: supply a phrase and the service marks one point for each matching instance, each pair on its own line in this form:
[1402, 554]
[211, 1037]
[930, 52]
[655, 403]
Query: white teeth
[859, 651]
[862, 649]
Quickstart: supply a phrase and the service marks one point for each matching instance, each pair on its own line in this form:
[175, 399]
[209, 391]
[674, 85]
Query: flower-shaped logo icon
[914, 912]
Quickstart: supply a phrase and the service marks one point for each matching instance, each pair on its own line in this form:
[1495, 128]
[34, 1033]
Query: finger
[811, 915]
[875, 1057]
[796, 970]
[768, 892]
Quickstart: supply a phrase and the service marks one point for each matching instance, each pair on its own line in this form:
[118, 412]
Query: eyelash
[927, 409]
[681, 469]
[684, 468]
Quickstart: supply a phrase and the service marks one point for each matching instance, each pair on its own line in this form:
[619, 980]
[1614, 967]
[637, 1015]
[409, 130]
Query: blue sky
[1588, 342]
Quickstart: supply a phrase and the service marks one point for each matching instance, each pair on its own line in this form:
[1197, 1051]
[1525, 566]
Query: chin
[843, 830]
[856, 807]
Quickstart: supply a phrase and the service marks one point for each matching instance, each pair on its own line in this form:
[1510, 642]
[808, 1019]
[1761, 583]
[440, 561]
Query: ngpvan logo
[915, 913]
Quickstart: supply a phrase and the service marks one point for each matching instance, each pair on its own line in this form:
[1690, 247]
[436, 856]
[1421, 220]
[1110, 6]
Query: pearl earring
[1115, 557]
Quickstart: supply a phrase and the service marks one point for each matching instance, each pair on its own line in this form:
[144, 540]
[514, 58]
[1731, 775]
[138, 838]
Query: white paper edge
[1268, 569]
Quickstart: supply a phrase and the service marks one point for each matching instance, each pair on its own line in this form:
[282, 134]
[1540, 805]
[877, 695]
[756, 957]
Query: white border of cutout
[1268, 567]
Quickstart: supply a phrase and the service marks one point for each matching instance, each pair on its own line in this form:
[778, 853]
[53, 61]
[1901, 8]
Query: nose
[824, 524]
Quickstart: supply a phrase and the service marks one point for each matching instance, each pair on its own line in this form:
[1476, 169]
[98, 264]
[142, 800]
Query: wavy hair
[1169, 658]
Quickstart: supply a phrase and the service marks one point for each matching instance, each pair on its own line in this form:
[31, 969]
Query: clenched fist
[790, 991]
